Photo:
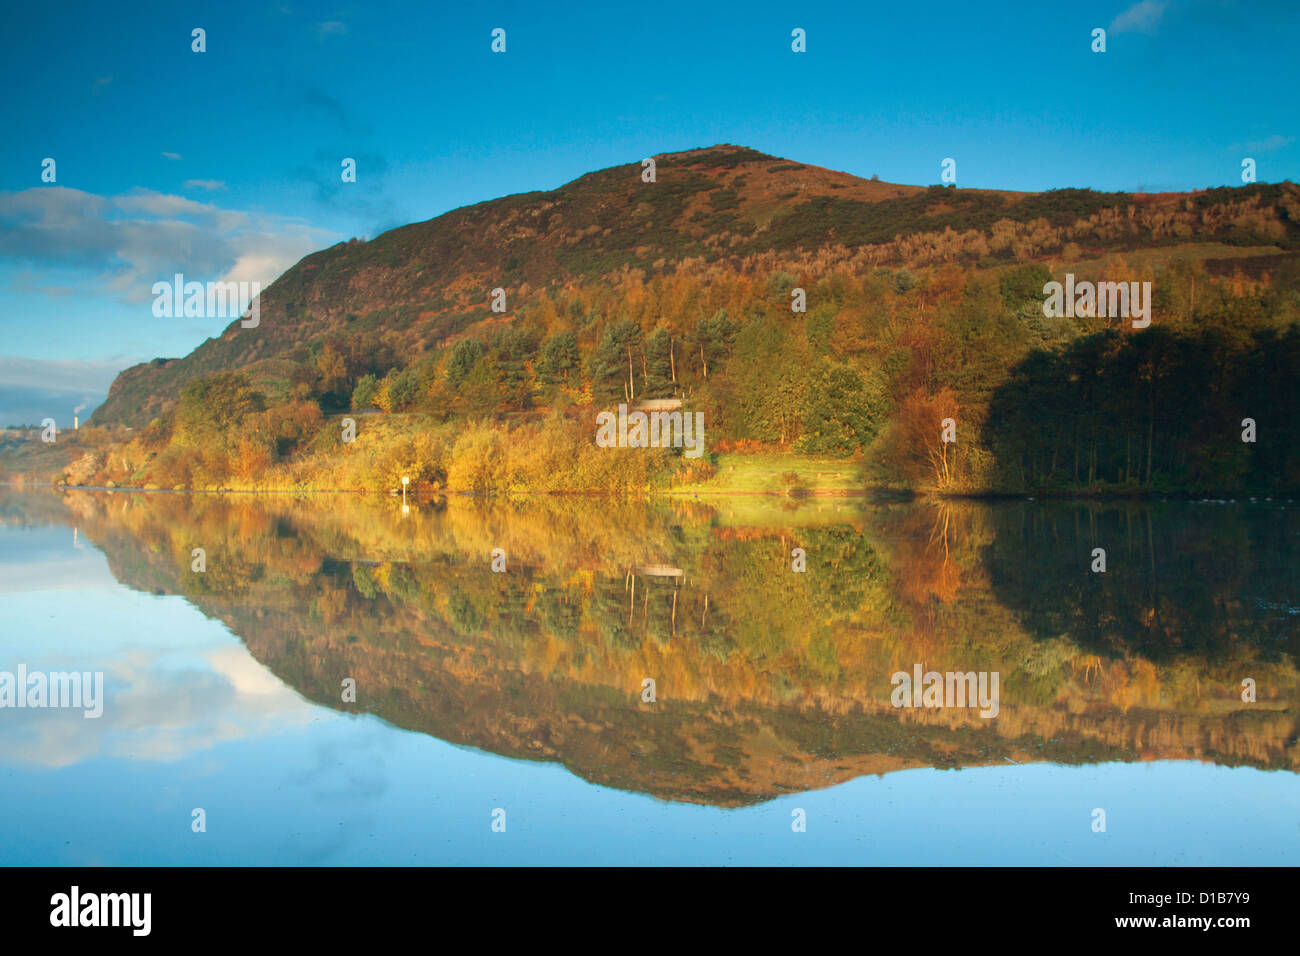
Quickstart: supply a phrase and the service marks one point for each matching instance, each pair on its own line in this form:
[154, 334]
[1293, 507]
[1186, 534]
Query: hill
[922, 303]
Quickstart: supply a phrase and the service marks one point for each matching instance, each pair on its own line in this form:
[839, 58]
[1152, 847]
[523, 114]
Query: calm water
[522, 690]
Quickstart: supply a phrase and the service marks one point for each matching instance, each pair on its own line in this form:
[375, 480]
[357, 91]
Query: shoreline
[876, 495]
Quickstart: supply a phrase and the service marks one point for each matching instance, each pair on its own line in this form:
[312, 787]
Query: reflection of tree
[560, 611]
[931, 572]
[464, 615]
[842, 568]
[1181, 579]
[769, 680]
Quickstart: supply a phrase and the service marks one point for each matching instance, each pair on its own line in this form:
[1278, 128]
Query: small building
[659, 405]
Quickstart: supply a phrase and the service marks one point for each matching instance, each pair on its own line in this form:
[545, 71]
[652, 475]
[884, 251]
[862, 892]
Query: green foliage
[403, 390]
[780, 284]
[770, 382]
[820, 328]
[712, 340]
[363, 396]
[841, 414]
[1043, 331]
[364, 579]
[1023, 283]
[464, 355]
[560, 360]
[512, 347]
[210, 408]
[1061, 207]
[721, 199]
[855, 222]
[481, 391]
[658, 364]
[614, 363]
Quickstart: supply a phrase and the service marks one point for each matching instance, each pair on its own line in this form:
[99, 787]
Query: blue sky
[226, 164]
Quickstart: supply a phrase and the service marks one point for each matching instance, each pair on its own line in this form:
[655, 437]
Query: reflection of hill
[768, 681]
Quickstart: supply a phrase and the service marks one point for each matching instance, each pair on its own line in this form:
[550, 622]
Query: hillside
[922, 303]
[420, 284]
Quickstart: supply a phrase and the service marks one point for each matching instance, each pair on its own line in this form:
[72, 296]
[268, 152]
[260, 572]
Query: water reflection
[767, 681]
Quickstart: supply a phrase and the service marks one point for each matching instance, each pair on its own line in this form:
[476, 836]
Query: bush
[479, 461]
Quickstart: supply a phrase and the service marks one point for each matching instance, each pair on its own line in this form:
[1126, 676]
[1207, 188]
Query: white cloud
[123, 244]
[69, 375]
[164, 205]
[1267, 144]
[171, 155]
[211, 185]
[1142, 17]
[153, 711]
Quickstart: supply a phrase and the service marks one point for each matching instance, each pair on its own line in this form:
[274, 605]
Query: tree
[769, 381]
[614, 363]
[512, 347]
[211, 408]
[403, 390]
[840, 413]
[712, 341]
[363, 396]
[335, 384]
[464, 355]
[1023, 284]
[560, 359]
[658, 367]
[916, 448]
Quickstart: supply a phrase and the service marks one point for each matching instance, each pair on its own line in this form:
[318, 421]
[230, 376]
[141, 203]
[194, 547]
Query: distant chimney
[75, 423]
